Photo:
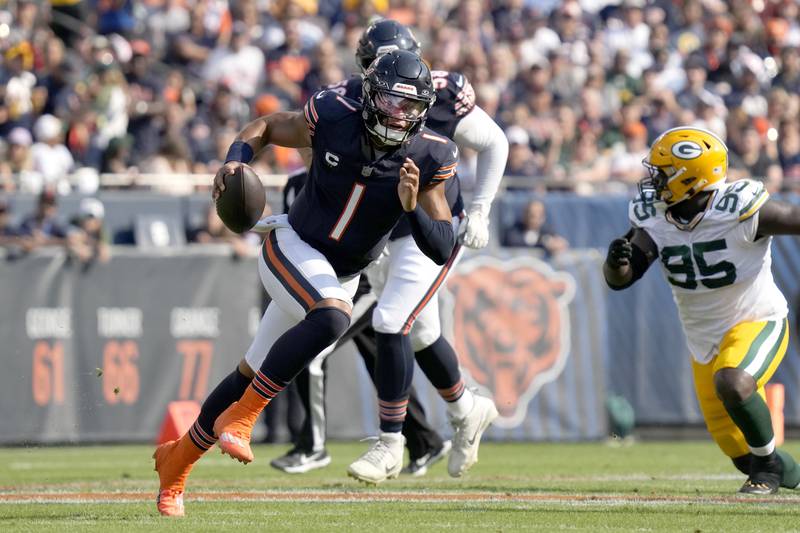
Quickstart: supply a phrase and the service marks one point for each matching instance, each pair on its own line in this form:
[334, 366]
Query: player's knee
[734, 385]
[742, 463]
[384, 321]
[422, 337]
[329, 322]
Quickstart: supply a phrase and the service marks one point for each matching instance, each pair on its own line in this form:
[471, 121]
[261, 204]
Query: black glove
[620, 252]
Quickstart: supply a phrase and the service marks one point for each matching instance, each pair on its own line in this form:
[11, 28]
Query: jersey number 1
[356, 194]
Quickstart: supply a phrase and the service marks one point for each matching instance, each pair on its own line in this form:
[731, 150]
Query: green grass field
[684, 486]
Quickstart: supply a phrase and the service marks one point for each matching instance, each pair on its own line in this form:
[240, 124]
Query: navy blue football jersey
[349, 204]
[454, 99]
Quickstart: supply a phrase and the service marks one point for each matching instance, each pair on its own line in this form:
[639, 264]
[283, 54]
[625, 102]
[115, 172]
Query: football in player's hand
[242, 202]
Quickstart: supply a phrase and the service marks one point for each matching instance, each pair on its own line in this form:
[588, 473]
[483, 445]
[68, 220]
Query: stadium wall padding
[95, 354]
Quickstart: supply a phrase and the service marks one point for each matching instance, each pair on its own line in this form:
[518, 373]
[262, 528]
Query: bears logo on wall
[512, 328]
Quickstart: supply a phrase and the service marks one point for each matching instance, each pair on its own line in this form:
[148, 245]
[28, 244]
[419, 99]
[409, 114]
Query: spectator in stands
[190, 50]
[110, 101]
[25, 21]
[9, 235]
[117, 155]
[756, 160]
[145, 89]
[627, 30]
[215, 231]
[626, 162]
[532, 232]
[115, 16]
[789, 143]
[289, 64]
[54, 77]
[239, 65]
[789, 76]
[521, 162]
[51, 158]
[588, 164]
[18, 82]
[42, 227]
[87, 240]
[19, 162]
[172, 158]
[697, 88]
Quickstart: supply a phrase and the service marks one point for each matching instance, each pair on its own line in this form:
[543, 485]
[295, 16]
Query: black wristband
[240, 151]
[435, 238]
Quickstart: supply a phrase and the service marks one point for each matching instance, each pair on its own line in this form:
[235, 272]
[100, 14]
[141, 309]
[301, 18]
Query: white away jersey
[720, 274]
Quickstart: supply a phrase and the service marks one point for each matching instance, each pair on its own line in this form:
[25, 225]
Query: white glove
[476, 233]
[267, 224]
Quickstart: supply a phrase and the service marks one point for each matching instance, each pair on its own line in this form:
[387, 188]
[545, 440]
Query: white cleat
[383, 460]
[468, 433]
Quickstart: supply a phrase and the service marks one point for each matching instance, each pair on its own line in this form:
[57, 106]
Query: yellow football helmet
[684, 161]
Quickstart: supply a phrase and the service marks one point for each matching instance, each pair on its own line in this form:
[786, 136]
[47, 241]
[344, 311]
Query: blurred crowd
[581, 87]
[83, 235]
[82, 229]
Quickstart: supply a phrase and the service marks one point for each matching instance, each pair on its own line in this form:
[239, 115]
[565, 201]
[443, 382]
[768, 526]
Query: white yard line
[66, 497]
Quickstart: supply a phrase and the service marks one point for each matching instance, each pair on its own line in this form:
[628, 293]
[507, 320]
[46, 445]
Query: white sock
[390, 436]
[461, 407]
[765, 450]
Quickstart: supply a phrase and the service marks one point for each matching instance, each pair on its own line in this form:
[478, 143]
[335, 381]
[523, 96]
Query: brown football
[242, 202]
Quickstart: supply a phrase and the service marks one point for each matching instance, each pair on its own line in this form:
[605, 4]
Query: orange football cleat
[174, 461]
[170, 503]
[234, 427]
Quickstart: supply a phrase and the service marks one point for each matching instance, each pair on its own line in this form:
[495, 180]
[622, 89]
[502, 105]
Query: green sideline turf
[686, 486]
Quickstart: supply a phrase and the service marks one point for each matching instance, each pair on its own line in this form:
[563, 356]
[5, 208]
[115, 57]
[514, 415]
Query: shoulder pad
[642, 211]
[443, 153]
[349, 88]
[741, 199]
[454, 87]
[327, 106]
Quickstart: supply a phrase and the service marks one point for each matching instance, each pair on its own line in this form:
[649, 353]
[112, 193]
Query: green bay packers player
[712, 239]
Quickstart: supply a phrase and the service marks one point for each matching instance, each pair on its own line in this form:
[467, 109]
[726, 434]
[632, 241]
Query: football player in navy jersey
[425, 445]
[372, 164]
[406, 281]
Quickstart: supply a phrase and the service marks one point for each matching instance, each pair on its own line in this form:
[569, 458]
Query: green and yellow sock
[752, 417]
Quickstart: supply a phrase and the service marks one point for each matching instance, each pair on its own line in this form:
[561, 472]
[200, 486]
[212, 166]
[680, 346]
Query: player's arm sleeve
[479, 132]
[431, 221]
[776, 218]
[645, 252]
[435, 237]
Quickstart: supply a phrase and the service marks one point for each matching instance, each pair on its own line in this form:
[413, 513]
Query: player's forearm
[435, 238]
[255, 135]
[479, 132]
[283, 129]
[778, 218]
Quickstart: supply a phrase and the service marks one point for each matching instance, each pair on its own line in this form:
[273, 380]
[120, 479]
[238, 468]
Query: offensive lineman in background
[713, 240]
[406, 283]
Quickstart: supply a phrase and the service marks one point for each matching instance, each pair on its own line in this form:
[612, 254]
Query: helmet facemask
[655, 184]
[392, 118]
